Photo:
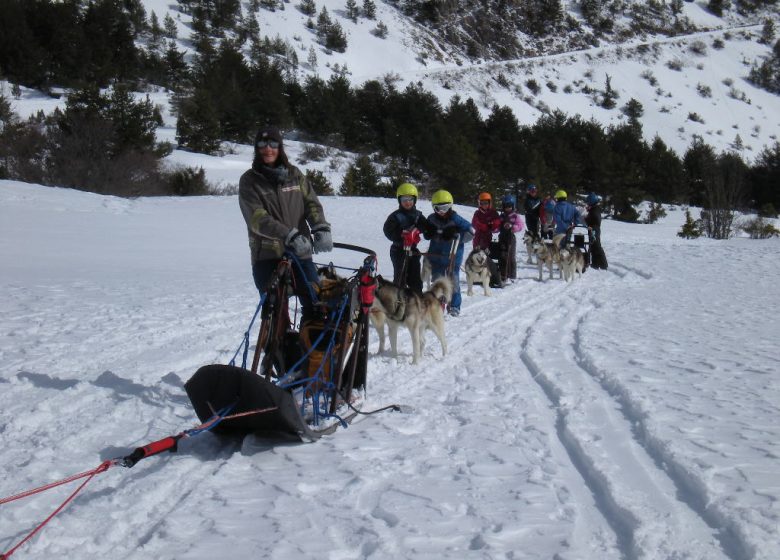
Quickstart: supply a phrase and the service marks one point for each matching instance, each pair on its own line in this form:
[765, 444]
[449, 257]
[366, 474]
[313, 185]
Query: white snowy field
[631, 414]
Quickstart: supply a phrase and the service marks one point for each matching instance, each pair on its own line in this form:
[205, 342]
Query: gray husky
[417, 312]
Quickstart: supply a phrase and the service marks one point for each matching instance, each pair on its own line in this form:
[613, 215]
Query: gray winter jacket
[273, 203]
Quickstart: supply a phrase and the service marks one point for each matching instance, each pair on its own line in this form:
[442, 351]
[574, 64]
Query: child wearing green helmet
[447, 227]
[403, 227]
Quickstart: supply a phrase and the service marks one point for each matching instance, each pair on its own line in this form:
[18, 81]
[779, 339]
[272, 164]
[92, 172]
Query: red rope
[103, 467]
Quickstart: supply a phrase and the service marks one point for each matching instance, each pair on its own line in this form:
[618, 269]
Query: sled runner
[307, 379]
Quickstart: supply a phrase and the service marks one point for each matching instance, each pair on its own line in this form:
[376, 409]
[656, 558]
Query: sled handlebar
[350, 247]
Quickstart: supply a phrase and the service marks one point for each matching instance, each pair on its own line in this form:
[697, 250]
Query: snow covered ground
[632, 414]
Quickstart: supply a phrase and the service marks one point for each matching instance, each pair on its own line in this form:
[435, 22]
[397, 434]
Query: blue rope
[297, 262]
[220, 414]
[245, 341]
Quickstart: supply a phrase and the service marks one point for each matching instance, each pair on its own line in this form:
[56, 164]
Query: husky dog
[547, 253]
[528, 241]
[572, 260]
[477, 270]
[417, 312]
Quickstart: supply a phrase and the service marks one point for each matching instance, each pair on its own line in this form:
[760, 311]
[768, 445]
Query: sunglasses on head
[273, 144]
[442, 208]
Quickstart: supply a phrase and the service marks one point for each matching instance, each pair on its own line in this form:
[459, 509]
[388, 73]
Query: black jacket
[403, 219]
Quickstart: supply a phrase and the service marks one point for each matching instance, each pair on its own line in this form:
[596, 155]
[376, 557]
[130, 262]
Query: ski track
[637, 537]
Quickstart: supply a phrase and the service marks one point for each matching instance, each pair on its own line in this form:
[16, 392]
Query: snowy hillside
[631, 414]
[689, 85]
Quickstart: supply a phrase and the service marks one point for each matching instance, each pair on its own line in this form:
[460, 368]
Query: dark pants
[304, 276]
[411, 276]
[494, 252]
[532, 225]
[507, 256]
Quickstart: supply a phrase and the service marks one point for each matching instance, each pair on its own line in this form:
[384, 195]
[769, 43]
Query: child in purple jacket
[511, 223]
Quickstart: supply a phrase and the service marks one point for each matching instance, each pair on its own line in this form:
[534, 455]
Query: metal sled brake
[303, 381]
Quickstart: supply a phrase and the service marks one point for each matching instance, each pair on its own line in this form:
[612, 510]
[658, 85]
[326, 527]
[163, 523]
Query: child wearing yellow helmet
[447, 228]
[566, 215]
[403, 228]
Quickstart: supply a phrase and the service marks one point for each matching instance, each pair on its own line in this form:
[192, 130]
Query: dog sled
[579, 239]
[304, 380]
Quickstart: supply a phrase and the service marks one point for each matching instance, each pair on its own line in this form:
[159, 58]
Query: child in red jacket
[486, 222]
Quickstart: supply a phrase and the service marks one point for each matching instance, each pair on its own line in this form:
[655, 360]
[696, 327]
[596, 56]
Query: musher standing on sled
[446, 227]
[279, 207]
[403, 228]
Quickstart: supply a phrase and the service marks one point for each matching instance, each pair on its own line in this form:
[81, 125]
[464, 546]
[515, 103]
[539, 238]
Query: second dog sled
[579, 239]
[304, 380]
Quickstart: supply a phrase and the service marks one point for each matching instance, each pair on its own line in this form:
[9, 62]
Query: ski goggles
[406, 198]
[273, 144]
[484, 203]
[442, 208]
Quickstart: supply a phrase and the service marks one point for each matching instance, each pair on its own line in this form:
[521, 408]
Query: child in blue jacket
[446, 225]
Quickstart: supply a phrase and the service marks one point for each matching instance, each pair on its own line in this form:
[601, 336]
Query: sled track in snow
[690, 489]
[620, 520]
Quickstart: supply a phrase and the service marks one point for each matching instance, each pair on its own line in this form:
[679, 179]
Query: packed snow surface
[631, 414]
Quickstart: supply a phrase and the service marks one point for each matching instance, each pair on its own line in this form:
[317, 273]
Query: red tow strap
[166, 444]
[103, 467]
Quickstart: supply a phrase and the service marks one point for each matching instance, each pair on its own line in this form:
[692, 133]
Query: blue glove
[298, 243]
[323, 242]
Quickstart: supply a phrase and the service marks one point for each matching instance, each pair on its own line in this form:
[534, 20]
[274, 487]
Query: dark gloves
[298, 243]
[323, 242]
[449, 232]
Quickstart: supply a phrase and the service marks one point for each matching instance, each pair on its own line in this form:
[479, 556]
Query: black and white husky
[572, 260]
[398, 307]
[477, 271]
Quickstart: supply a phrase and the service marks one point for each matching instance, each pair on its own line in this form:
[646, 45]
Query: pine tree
[312, 59]
[335, 38]
[767, 32]
[324, 24]
[361, 179]
[171, 31]
[307, 7]
[380, 30]
[155, 32]
[717, 7]
[369, 9]
[691, 229]
[608, 101]
[352, 10]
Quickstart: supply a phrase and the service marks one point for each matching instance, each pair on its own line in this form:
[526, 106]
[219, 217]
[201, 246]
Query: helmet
[560, 194]
[485, 196]
[531, 187]
[406, 189]
[441, 197]
[592, 199]
[549, 206]
[508, 200]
